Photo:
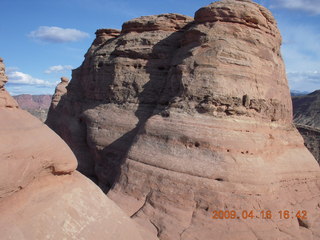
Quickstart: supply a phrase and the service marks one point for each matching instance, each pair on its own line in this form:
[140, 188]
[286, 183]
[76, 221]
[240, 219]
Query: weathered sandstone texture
[179, 117]
[41, 194]
[3, 77]
[60, 90]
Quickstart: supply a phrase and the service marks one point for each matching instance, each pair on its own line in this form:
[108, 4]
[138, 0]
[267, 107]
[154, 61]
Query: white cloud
[57, 34]
[312, 6]
[311, 77]
[28, 89]
[20, 78]
[304, 81]
[11, 69]
[300, 51]
[14, 90]
[58, 69]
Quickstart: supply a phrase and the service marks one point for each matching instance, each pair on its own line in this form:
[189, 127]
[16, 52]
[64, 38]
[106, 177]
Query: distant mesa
[28, 101]
[37, 105]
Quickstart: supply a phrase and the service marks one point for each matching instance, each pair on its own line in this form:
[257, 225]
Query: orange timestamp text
[263, 214]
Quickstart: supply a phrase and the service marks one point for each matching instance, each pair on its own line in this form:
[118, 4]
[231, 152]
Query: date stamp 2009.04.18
[263, 214]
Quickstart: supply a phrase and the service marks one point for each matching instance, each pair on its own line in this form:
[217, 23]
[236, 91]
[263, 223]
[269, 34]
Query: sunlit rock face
[179, 117]
[6, 101]
[42, 196]
[3, 77]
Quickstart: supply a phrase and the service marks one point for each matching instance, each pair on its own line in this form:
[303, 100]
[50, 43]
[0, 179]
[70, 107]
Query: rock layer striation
[180, 117]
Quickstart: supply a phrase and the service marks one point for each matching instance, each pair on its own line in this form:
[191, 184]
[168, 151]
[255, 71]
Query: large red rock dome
[179, 117]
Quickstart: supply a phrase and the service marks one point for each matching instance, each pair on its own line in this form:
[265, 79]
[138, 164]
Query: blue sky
[42, 40]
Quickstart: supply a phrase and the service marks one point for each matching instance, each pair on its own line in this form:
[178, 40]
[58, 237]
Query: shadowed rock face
[306, 109]
[41, 194]
[311, 137]
[179, 117]
[306, 116]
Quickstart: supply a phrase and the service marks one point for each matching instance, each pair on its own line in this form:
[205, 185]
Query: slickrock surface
[41, 194]
[180, 117]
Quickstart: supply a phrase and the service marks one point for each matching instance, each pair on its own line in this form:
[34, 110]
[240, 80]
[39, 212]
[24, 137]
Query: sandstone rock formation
[41, 194]
[180, 117]
[60, 90]
[37, 105]
[5, 99]
[3, 77]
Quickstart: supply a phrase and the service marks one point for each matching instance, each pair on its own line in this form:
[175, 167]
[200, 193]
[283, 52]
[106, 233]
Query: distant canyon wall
[306, 110]
[37, 105]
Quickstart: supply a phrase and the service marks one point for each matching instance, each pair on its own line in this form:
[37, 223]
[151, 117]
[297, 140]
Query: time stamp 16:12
[263, 214]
